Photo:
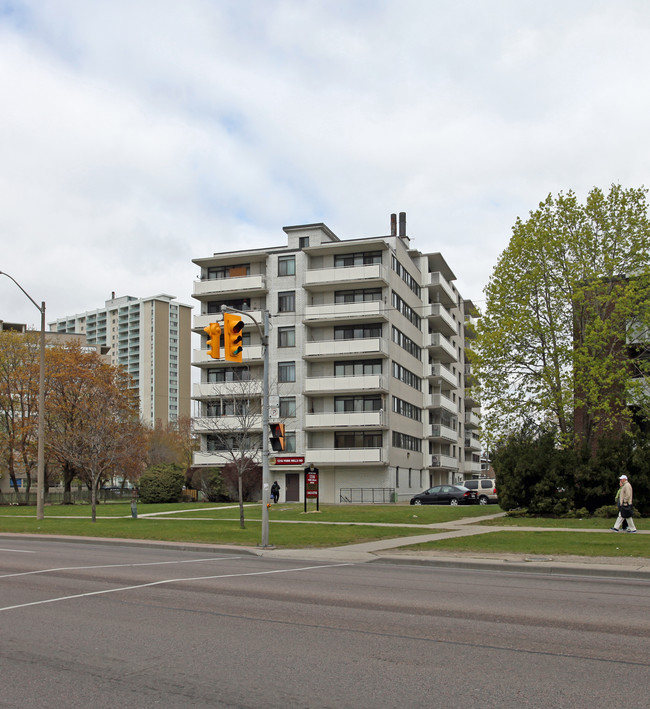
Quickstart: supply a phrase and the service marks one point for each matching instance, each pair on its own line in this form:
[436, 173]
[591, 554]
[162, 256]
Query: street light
[265, 417]
[40, 476]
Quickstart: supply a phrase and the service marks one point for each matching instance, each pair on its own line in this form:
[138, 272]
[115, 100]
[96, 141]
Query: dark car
[446, 495]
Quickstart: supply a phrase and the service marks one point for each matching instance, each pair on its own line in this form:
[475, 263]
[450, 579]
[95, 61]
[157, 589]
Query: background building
[367, 362]
[150, 338]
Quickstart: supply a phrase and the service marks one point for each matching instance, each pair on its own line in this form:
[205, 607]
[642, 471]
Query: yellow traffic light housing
[214, 335]
[232, 337]
[277, 436]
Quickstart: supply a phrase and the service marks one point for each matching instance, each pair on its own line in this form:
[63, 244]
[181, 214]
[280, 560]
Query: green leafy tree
[567, 296]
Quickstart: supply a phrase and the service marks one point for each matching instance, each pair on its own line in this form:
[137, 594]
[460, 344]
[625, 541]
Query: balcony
[440, 401]
[472, 420]
[443, 433]
[440, 373]
[219, 458]
[251, 353]
[364, 276]
[346, 312]
[202, 321]
[471, 466]
[225, 424]
[337, 385]
[443, 461]
[239, 285]
[346, 349]
[333, 420]
[441, 319]
[472, 442]
[441, 348]
[345, 456]
[439, 286]
[250, 388]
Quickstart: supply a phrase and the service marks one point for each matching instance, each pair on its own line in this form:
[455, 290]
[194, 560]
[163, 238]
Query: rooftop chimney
[393, 224]
[402, 223]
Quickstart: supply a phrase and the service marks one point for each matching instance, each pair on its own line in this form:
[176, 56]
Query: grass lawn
[545, 543]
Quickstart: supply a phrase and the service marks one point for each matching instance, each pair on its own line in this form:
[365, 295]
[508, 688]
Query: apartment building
[150, 338]
[366, 360]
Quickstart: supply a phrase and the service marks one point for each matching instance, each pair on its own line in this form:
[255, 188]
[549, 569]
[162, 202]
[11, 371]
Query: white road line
[117, 566]
[165, 581]
[19, 551]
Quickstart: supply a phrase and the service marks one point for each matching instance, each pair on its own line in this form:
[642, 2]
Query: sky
[137, 135]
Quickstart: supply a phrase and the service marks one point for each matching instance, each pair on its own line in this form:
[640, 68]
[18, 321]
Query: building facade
[366, 358]
[150, 339]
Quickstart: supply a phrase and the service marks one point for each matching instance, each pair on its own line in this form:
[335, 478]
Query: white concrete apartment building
[150, 338]
[367, 362]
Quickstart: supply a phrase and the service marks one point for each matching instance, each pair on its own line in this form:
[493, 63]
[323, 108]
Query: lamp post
[40, 475]
[265, 417]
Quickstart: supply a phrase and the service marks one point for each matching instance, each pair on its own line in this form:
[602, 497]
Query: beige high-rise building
[368, 371]
[150, 338]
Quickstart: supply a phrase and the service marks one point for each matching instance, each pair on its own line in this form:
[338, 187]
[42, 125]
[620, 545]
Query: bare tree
[233, 421]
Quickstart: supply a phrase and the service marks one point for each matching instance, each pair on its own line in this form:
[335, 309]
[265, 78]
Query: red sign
[311, 484]
[296, 460]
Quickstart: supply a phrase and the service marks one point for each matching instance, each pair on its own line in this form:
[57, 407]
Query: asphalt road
[89, 625]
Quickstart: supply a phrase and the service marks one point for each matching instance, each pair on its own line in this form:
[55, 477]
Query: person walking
[275, 491]
[624, 506]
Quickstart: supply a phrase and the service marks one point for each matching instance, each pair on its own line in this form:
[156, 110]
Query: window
[357, 439]
[287, 407]
[286, 371]
[407, 376]
[360, 295]
[303, 242]
[399, 338]
[406, 409]
[356, 368]
[354, 332]
[217, 272]
[236, 374]
[409, 443]
[290, 442]
[286, 337]
[343, 404]
[286, 265]
[358, 259]
[406, 310]
[287, 301]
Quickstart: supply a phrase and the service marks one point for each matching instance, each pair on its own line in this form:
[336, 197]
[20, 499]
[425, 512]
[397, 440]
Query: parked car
[486, 489]
[446, 495]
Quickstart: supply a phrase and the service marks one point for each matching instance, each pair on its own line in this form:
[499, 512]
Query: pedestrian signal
[277, 436]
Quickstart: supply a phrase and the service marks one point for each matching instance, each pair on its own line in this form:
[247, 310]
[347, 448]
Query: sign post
[311, 485]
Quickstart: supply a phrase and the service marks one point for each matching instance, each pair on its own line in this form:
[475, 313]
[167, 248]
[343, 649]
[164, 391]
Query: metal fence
[367, 495]
[56, 498]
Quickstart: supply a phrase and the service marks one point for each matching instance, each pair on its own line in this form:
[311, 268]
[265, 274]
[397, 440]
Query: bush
[161, 483]
[210, 482]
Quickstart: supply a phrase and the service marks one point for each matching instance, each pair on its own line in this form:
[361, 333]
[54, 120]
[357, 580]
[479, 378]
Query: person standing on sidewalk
[624, 502]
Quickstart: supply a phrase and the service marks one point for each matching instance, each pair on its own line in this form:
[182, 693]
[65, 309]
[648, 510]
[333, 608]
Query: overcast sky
[136, 135]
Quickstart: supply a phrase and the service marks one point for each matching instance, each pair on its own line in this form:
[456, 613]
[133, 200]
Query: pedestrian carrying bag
[626, 511]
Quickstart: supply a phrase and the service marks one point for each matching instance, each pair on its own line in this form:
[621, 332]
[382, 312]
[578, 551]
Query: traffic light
[277, 436]
[214, 335]
[232, 337]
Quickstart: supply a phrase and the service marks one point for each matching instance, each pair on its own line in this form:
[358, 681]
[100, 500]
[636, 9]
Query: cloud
[138, 136]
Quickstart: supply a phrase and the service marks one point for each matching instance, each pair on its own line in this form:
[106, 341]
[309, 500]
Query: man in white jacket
[624, 499]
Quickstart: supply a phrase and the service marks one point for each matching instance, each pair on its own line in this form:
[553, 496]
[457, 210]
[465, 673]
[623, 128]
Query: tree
[173, 442]
[234, 423]
[563, 301]
[210, 482]
[94, 428]
[19, 382]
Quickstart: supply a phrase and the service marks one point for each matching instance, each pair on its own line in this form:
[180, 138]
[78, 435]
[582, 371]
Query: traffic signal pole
[266, 484]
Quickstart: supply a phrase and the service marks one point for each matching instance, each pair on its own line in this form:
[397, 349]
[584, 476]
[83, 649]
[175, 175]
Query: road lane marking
[165, 581]
[19, 551]
[117, 566]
